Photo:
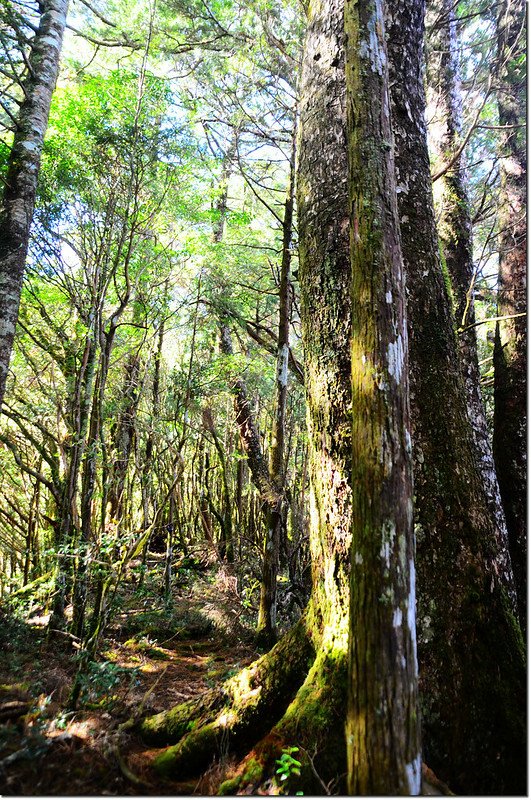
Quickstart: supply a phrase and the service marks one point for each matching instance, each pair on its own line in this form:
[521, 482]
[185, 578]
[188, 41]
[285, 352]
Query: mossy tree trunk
[383, 726]
[471, 659]
[510, 344]
[472, 675]
[454, 225]
[308, 708]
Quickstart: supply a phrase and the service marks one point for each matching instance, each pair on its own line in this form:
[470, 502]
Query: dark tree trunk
[510, 344]
[18, 199]
[472, 675]
[277, 518]
[383, 726]
[455, 228]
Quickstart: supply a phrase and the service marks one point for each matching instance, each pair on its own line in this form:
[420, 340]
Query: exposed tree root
[314, 722]
[237, 714]
[291, 697]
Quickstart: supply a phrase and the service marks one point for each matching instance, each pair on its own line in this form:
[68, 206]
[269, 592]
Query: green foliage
[287, 764]
[100, 680]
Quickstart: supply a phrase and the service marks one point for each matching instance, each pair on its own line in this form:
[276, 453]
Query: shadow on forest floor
[151, 659]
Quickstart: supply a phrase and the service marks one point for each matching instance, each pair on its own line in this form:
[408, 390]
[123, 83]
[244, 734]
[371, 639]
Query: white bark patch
[388, 540]
[397, 617]
[388, 297]
[50, 40]
[30, 145]
[413, 774]
[7, 327]
[395, 358]
[358, 558]
[377, 52]
[411, 612]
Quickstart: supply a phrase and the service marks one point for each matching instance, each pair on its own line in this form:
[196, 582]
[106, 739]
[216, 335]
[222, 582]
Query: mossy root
[237, 714]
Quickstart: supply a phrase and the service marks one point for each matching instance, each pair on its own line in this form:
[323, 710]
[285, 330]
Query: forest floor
[151, 659]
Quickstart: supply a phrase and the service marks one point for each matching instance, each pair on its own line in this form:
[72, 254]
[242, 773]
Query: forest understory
[155, 656]
[151, 659]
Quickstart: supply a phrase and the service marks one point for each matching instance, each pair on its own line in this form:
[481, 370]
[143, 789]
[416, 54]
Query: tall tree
[298, 690]
[472, 675]
[454, 224]
[383, 725]
[510, 345]
[20, 186]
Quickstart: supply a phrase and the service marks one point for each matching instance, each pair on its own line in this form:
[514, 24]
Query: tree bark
[472, 676]
[510, 344]
[314, 719]
[455, 228]
[383, 726]
[18, 199]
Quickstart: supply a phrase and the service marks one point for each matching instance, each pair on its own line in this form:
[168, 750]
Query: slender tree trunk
[455, 227]
[276, 522]
[252, 445]
[267, 480]
[227, 544]
[510, 344]
[383, 725]
[124, 436]
[79, 417]
[472, 677]
[18, 199]
[146, 480]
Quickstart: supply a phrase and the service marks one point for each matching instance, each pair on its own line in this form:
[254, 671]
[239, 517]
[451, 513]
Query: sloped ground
[152, 659]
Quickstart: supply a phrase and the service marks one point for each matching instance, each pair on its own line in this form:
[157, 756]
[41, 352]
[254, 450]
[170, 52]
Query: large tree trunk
[312, 717]
[18, 199]
[472, 675]
[455, 228]
[510, 353]
[383, 726]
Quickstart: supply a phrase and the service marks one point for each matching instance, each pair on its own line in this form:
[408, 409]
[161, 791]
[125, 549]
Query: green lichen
[447, 278]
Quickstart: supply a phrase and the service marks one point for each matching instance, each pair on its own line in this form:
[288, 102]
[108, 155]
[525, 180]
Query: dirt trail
[151, 660]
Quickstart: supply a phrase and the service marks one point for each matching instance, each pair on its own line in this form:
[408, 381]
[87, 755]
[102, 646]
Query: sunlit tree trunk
[510, 344]
[472, 677]
[383, 726]
[18, 197]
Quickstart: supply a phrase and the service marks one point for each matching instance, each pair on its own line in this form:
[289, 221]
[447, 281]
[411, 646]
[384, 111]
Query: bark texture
[314, 719]
[455, 228]
[18, 199]
[383, 727]
[472, 674]
[510, 345]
